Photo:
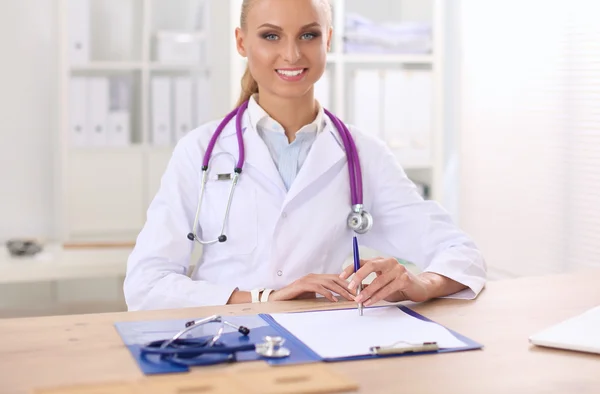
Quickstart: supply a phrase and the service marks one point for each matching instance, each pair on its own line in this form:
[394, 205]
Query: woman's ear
[239, 42]
[329, 35]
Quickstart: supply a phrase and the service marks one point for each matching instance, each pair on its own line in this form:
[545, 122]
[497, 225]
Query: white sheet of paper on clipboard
[343, 333]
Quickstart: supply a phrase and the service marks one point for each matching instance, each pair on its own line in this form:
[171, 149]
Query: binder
[367, 101]
[98, 110]
[421, 88]
[136, 334]
[182, 106]
[202, 101]
[397, 112]
[161, 111]
[119, 131]
[78, 123]
[119, 115]
[79, 31]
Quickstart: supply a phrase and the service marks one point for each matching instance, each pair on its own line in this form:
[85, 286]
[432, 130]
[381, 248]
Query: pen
[356, 268]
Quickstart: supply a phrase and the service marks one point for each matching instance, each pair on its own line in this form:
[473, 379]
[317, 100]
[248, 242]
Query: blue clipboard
[137, 334]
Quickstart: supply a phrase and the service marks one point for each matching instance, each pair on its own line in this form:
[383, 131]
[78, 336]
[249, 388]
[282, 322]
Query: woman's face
[286, 43]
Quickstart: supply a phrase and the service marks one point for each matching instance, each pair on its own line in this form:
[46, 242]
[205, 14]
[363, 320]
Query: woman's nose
[291, 52]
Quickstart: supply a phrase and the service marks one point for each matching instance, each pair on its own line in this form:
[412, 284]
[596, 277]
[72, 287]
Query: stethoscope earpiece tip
[190, 236]
[244, 330]
[222, 238]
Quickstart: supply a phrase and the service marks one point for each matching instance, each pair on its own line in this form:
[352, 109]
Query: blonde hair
[248, 84]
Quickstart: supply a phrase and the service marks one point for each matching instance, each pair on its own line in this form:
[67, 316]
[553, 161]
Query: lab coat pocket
[241, 222]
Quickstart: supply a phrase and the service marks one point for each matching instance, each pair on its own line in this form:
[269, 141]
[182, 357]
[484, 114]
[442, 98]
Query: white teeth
[290, 73]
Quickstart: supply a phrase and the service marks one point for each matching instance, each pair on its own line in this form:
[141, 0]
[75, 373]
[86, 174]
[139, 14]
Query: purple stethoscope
[359, 220]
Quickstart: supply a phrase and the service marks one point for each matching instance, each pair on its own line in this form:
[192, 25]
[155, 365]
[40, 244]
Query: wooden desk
[50, 351]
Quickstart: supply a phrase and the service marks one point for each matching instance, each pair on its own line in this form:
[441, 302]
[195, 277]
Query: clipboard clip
[404, 347]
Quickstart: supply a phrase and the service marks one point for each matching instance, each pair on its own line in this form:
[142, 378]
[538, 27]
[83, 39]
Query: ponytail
[249, 87]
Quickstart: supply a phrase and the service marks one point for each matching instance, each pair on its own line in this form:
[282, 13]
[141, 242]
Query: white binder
[78, 125]
[397, 113]
[202, 102]
[367, 101]
[183, 106]
[323, 90]
[79, 31]
[421, 88]
[119, 131]
[119, 118]
[98, 110]
[408, 115]
[161, 111]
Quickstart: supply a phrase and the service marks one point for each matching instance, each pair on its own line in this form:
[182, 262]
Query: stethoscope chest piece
[272, 348]
[359, 220]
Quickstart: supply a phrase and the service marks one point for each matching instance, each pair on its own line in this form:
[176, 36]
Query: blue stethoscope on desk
[208, 350]
[359, 220]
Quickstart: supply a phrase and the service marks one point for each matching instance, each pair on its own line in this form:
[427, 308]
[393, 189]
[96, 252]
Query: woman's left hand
[393, 283]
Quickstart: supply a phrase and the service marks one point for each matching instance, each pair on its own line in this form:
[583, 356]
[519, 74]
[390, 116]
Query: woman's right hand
[311, 285]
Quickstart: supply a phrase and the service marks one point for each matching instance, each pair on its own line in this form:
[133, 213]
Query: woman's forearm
[240, 297]
[439, 286]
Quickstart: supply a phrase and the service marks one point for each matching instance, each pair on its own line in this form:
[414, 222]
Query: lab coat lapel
[326, 152]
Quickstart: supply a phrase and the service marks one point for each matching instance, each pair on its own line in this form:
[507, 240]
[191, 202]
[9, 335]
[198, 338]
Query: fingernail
[342, 275]
[351, 285]
[359, 298]
[369, 302]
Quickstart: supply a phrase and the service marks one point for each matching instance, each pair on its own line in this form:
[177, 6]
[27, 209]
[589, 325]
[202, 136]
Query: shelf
[108, 148]
[368, 58]
[107, 66]
[176, 67]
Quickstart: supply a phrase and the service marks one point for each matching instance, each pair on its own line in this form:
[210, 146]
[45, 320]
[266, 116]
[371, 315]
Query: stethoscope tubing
[193, 348]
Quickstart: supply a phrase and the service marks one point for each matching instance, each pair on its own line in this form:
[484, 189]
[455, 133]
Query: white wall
[531, 134]
[28, 115]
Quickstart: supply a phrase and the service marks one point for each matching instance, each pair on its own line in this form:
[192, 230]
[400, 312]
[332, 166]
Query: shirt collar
[260, 119]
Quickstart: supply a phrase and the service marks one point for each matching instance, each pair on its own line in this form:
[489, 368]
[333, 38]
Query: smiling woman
[279, 222]
[300, 33]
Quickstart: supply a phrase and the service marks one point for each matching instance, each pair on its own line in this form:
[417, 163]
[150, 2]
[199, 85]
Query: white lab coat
[276, 237]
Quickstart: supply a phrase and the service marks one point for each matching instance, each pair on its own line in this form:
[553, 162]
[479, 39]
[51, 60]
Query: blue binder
[137, 334]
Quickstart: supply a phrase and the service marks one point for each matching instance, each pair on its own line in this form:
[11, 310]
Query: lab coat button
[279, 273]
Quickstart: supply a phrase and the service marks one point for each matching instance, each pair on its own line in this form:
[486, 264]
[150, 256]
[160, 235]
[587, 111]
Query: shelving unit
[105, 190]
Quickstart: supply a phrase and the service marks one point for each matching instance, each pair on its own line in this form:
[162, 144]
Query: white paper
[343, 333]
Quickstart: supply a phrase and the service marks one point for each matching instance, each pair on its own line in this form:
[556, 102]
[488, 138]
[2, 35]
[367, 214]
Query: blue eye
[308, 36]
[270, 37]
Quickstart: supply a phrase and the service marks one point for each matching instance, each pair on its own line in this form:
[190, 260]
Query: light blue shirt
[288, 157]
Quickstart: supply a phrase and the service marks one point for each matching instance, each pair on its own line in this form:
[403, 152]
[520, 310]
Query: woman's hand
[393, 282]
[313, 284]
